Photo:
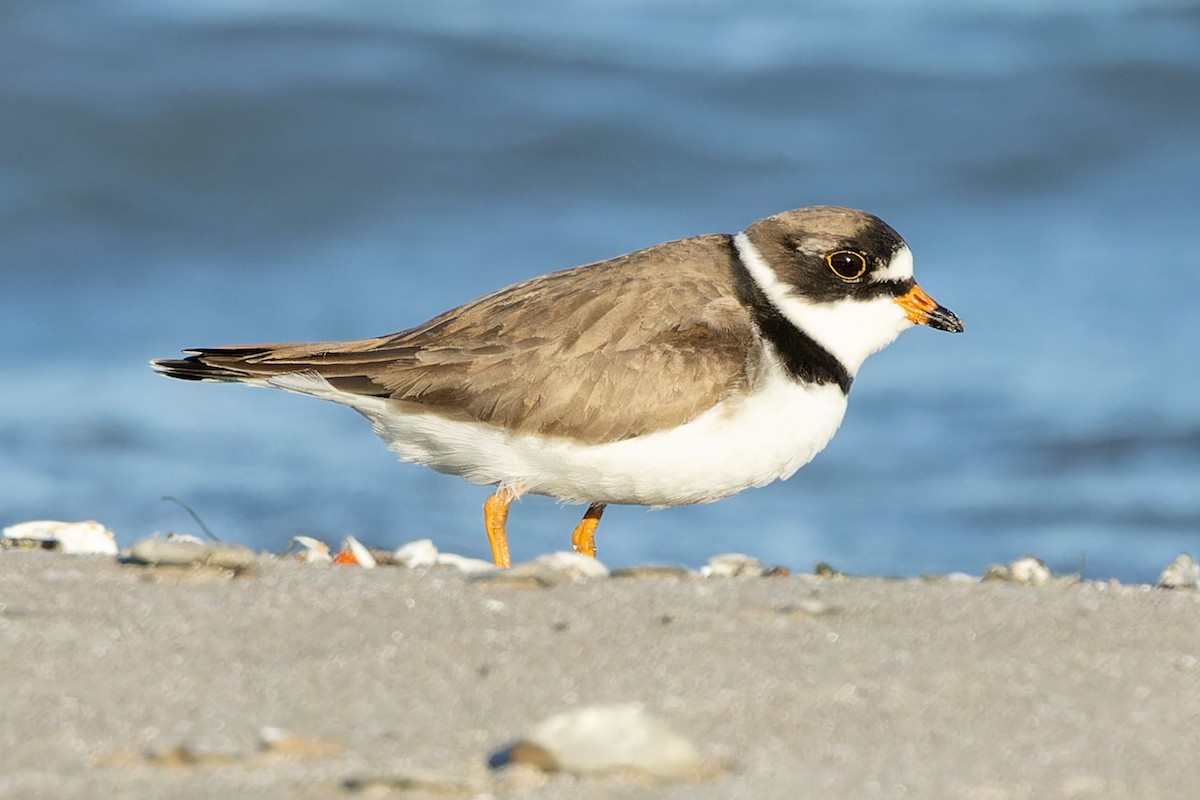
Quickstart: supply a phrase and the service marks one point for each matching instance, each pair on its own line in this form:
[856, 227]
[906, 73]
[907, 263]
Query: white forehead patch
[900, 268]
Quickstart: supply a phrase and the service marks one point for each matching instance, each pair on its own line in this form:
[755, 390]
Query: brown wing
[598, 353]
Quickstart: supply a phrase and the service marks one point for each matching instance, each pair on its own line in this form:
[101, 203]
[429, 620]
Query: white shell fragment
[354, 552]
[465, 565]
[184, 537]
[310, 550]
[610, 738]
[576, 566]
[77, 538]
[733, 565]
[1027, 571]
[415, 555]
[1182, 573]
[422, 553]
[552, 569]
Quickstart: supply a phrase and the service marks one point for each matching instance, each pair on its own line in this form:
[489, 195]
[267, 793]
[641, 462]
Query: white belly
[749, 441]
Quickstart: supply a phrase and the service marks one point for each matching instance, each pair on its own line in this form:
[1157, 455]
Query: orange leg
[495, 515]
[584, 537]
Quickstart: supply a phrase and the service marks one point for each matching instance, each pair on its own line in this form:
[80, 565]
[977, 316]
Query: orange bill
[924, 310]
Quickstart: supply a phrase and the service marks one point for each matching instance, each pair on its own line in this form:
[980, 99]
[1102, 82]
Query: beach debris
[1182, 573]
[523, 576]
[733, 565]
[309, 550]
[810, 607]
[419, 784]
[167, 552]
[575, 566]
[466, 565]
[273, 744]
[654, 571]
[185, 537]
[422, 554]
[1027, 571]
[621, 737]
[197, 754]
[823, 570]
[552, 569]
[353, 552]
[195, 517]
[75, 538]
[415, 555]
[518, 779]
[285, 744]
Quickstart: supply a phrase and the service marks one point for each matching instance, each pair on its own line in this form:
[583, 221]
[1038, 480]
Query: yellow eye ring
[847, 264]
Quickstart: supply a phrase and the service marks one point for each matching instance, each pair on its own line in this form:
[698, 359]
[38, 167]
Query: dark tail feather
[213, 364]
[194, 369]
[344, 365]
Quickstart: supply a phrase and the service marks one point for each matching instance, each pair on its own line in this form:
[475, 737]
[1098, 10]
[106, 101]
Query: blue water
[182, 174]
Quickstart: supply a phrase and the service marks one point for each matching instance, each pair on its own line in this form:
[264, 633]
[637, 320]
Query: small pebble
[183, 553]
[166, 552]
[1182, 573]
[75, 538]
[606, 738]
[226, 555]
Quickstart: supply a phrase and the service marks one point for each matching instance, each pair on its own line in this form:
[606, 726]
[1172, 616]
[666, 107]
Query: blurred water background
[180, 174]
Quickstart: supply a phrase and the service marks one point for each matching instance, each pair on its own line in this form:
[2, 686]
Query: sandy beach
[294, 680]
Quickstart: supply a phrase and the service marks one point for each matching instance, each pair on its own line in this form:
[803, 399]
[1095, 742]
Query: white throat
[849, 329]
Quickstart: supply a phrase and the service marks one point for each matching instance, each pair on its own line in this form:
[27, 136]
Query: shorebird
[682, 373]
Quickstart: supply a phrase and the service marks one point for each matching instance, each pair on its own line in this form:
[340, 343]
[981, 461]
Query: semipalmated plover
[678, 374]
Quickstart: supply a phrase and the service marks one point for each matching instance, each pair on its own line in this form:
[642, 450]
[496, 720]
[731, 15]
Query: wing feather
[598, 353]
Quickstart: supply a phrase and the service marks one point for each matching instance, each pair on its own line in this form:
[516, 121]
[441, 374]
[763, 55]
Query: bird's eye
[847, 264]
